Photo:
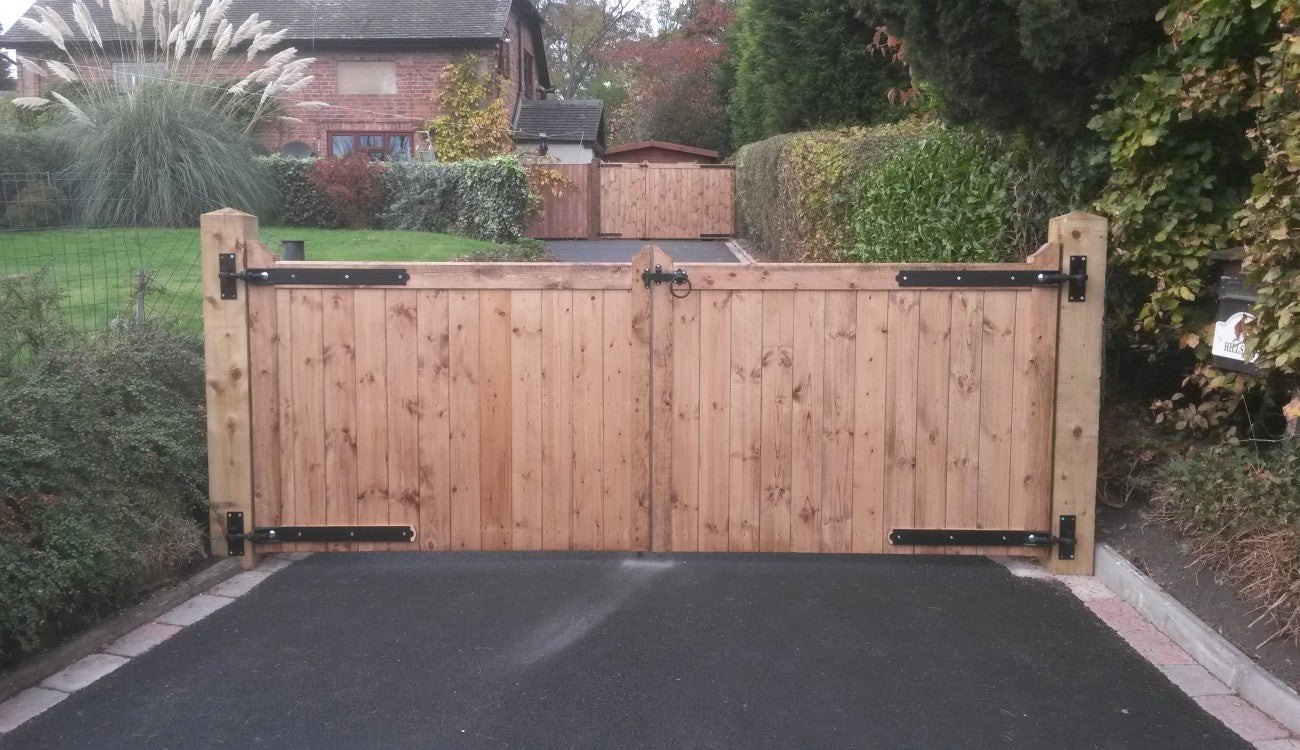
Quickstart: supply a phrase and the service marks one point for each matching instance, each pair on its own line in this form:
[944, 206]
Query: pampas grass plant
[178, 141]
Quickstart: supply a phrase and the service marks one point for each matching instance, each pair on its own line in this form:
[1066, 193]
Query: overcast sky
[10, 10]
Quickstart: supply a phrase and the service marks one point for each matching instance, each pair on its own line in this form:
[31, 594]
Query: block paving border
[1175, 660]
[36, 700]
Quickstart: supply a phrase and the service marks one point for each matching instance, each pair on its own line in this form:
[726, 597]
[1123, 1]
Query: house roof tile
[562, 120]
[329, 20]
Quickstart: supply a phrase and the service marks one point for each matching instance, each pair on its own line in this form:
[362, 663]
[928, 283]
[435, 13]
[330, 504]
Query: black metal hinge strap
[305, 276]
[1064, 541]
[1077, 278]
[236, 536]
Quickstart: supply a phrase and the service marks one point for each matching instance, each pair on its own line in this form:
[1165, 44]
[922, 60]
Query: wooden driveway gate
[667, 201]
[654, 406]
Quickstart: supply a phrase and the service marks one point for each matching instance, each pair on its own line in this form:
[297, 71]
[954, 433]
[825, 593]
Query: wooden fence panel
[574, 213]
[847, 407]
[497, 417]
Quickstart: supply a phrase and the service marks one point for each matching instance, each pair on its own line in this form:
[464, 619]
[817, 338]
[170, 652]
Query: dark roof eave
[331, 42]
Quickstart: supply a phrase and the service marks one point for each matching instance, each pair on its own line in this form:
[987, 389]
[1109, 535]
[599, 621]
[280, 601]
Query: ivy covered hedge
[103, 468]
[795, 193]
[487, 199]
[911, 191]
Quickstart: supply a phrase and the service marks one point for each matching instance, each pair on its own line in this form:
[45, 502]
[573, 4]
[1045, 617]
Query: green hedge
[943, 199]
[795, 192]
[299, 203]
[103, 473]
[487, 199]
[912, 191]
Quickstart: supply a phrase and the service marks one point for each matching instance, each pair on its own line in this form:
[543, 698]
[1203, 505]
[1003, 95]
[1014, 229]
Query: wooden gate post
[1078, 387]
[226, 373]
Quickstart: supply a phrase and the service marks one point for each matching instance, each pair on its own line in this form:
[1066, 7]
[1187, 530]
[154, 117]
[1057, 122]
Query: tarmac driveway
[622, 251]
[607, 650]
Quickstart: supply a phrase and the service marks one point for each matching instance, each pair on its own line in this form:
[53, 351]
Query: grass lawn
[97, 268]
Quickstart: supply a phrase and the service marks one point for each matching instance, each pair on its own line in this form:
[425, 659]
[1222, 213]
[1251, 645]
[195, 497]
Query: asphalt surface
[611, 651]
[622, 251]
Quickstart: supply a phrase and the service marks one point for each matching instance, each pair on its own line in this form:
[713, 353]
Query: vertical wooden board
[997, 384]
[623, 201]
[433, 362]
[309, 412]
[340, 393]
[288, 417]
[662, 405]
[465, 503]
[526, 418]
[807, 420]
[869, 413]
[746, 422]
[902, 360]
[226, 377]
[684, 496]
[403, 410]
[588, 418]
[935, 320]
[370, 341]
[495, 460]
[565, 216]
[640, 354]
[840, 364]
[962, 510]
[775, 440]
[1032, 418]
[617, 493]
[557, 419]
[715, 423]
[716, 204]
[264, 394]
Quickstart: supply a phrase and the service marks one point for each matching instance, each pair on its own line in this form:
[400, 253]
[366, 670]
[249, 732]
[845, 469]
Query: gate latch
[1065, 541]
[659, 276]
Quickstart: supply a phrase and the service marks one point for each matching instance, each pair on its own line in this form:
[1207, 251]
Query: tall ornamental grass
[171, 138]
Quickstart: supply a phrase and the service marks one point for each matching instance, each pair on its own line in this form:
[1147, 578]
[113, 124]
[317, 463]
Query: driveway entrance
[597, 650]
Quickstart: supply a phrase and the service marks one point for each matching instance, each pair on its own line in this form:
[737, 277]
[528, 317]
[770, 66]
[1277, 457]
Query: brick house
[378, 63]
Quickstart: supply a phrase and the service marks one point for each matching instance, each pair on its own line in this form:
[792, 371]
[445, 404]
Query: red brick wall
[411, 108]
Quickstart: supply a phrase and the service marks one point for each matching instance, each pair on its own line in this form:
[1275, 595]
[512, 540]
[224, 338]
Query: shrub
[40, 204]
[1241, 504]
[795, 193]
[1012, 65]
[102, 470]
[475, 123]
[153, 158]
[487, 199]
[1203, 150]
[943, 199]
[353, 186]
[807, 65]
[25, 156]
[161, 150]
[298, 202]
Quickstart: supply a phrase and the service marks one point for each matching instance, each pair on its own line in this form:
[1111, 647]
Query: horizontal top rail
[721, 276]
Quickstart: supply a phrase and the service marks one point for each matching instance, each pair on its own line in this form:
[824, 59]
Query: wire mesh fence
[108, 275]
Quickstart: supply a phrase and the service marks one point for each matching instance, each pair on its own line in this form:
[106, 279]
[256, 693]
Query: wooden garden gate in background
[667, 201]
[652, 405]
